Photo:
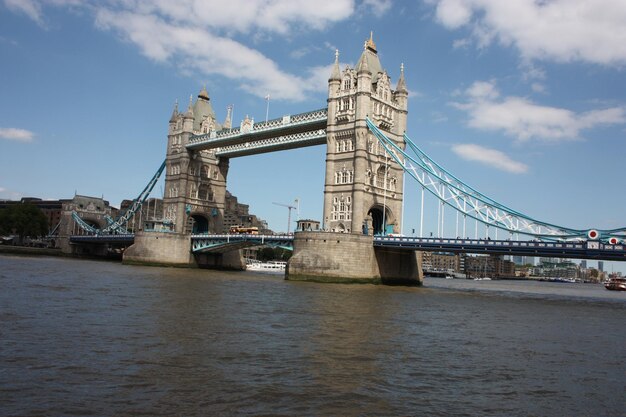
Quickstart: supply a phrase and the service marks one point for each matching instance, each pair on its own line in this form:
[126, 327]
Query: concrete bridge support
[233, 260]
[160, 248]
[173, 249]
[351, 258]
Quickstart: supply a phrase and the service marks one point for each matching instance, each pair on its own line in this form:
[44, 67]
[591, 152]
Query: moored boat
[616, 284]
[276, 266]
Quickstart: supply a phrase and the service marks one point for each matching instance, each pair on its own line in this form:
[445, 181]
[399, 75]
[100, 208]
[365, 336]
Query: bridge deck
[118, 239]
[226, 242]
[576, 250]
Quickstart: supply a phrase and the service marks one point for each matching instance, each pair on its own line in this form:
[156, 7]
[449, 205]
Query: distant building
[235, 214]
[238, 214]
[307, 225]
[443, 261]
[556, 268]
[50, 208]
[149, 217]
[601, 266]
[523, 260]
[491, 266]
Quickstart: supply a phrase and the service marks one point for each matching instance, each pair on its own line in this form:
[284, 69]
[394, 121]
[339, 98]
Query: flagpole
[267, 108]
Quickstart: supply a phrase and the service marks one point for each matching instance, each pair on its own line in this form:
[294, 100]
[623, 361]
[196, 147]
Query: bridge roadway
[104, 238]
[227, 242]
[576, 250]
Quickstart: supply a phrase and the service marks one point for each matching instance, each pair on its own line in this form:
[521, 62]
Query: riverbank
[54, 252]
[26, 250]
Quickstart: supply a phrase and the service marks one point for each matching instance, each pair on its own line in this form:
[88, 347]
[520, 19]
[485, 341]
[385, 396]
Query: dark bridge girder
[572, 250]
[226, 243]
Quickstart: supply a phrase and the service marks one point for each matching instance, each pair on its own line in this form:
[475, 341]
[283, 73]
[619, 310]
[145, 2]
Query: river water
[87, 338]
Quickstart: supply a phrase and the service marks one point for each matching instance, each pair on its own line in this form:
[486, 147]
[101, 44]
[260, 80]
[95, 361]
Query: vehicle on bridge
[241, 230]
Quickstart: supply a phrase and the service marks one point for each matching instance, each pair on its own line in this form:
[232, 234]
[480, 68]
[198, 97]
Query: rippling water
[99, 338]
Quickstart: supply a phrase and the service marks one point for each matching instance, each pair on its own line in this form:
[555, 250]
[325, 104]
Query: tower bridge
[367, 155]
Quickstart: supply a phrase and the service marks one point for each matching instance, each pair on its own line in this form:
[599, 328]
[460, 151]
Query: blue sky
[524, 100]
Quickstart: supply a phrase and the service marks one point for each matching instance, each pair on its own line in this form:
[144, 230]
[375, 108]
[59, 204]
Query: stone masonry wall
[154, 248]
[341, 257]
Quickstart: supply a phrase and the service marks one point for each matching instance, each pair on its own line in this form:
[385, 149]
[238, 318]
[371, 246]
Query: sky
[525, 100]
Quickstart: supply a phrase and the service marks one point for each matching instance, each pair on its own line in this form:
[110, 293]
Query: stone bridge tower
[363, 186]
[195, 181]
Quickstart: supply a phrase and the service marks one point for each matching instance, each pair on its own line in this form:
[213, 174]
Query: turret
[229, 114]
[363, 67]
[334, 82]
[174, 118]
[402, 97]
[188, 117]
[364, 81]
[204, 116]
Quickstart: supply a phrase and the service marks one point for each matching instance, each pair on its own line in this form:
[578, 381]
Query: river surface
[87, 338]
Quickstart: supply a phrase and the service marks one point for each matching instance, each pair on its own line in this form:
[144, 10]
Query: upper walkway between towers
[287, 132]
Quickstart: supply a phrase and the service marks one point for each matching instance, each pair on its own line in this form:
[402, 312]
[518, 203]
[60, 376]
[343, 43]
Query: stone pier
[160, 248]
[351, 258]
[173, 249]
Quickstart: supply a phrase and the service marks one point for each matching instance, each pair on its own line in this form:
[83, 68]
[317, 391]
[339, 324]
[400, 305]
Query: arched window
[205, 172]
[203, 192]
[380, 177]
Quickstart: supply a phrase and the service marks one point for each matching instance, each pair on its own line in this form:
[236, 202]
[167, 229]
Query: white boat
[270, 266]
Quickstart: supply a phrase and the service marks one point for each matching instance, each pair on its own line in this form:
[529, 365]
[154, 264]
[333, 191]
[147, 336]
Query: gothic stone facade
[195, 181]
[363, 186]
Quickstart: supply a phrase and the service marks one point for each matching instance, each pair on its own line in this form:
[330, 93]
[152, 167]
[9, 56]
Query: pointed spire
[174, 112]
[362, 65]
[369, 44]
[203, 93]
[189, 113]
[336, 74]
[229, 112]
[401, 87]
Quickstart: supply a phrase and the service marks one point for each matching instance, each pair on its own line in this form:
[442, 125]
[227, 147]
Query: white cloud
[9, 194]
[30, 8]
[490, 157]
[377, 6]
[187, 33]
[20, 135]
[454, 13]
[559, 30]
[200, 50]
[525, 120]
[538, 87]
[200, 37]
